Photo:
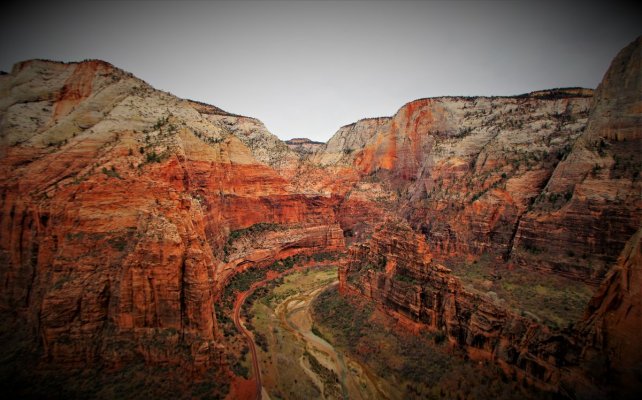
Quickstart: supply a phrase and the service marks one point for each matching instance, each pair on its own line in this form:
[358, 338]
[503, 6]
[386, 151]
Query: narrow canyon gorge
[133, 222]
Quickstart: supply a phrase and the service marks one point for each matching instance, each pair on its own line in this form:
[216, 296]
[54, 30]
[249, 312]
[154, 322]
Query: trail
[240, 299]
[238, 304]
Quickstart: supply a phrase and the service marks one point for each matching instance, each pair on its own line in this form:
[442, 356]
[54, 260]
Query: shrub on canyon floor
[251, 230]
[417, 364]
[556, 300]
[112, 173]
[153, 157]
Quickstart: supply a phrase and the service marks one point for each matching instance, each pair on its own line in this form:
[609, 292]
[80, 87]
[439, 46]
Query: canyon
[128, 214]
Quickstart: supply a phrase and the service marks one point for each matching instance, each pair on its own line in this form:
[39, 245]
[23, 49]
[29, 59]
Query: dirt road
[238, 304]
[240, 299]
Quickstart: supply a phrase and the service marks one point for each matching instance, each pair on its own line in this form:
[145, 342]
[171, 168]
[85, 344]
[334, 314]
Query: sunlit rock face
[123, 212]
[548, 180]
[464, 171]
[117, 203]
[576, 215]
[303, 146]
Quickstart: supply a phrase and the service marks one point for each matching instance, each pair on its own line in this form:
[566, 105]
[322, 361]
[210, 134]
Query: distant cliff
[123, 209]
[303, 146]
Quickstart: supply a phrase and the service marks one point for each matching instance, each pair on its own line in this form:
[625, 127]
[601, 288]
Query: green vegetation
[112, 173]
[160, 123]
[244, 280]
[550, 201]
[402, 277]
[600, 147]
[463, 132]
[419, 365]
[61, 282]
[625, 167]
[294, 283]
[252, 230]
[261, 341]
[118, 243]
[347, 324]
[153, 157]
[329, 378]
[557, 301]
[278, 346]
[478, 195]
[563, 152]
[256, 228]
[531, 248]
[241, 370]
[207, 139]
[325, 256]
[317, 332]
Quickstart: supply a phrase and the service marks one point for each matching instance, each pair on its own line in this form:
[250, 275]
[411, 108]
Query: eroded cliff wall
[117, 201]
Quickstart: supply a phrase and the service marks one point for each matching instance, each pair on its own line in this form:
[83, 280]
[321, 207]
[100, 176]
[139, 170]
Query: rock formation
[600, 356]
[570, 215]
[513, 176]
[303, 146]
[396, 271]
[124, 210]
[602, 177]
[465, 170]
[117, 201]
[614, 320]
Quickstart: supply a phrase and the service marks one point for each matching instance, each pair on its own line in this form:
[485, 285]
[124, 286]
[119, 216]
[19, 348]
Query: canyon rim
[130, 219]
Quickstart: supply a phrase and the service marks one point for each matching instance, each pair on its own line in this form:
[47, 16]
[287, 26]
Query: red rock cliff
[396, 271]
[116, 204]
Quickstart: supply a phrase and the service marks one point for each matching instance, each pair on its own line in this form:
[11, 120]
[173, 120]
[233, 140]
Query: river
[298, 364]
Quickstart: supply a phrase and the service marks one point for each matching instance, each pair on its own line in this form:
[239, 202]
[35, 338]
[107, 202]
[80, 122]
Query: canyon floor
[313, 342]
[295, 362]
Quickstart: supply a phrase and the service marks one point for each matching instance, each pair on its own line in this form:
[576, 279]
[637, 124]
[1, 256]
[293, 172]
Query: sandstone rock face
[124, 211]
[548, 180]
[276, 243]
[116, 204]
[597, 357]
[396, 271]
[465, 170]
[602, 179]
[343, 146]
[304, 147]
[614, 319]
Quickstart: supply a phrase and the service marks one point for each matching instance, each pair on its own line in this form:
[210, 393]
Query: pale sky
[305, 68]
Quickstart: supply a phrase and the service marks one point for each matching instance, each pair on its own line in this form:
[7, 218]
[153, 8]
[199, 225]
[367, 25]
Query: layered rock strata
[464, 171]
[117, 201]
[548, 180]
[303, 146]
[395, 270]
[598, 356]
[124, 210]
[602, 177]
